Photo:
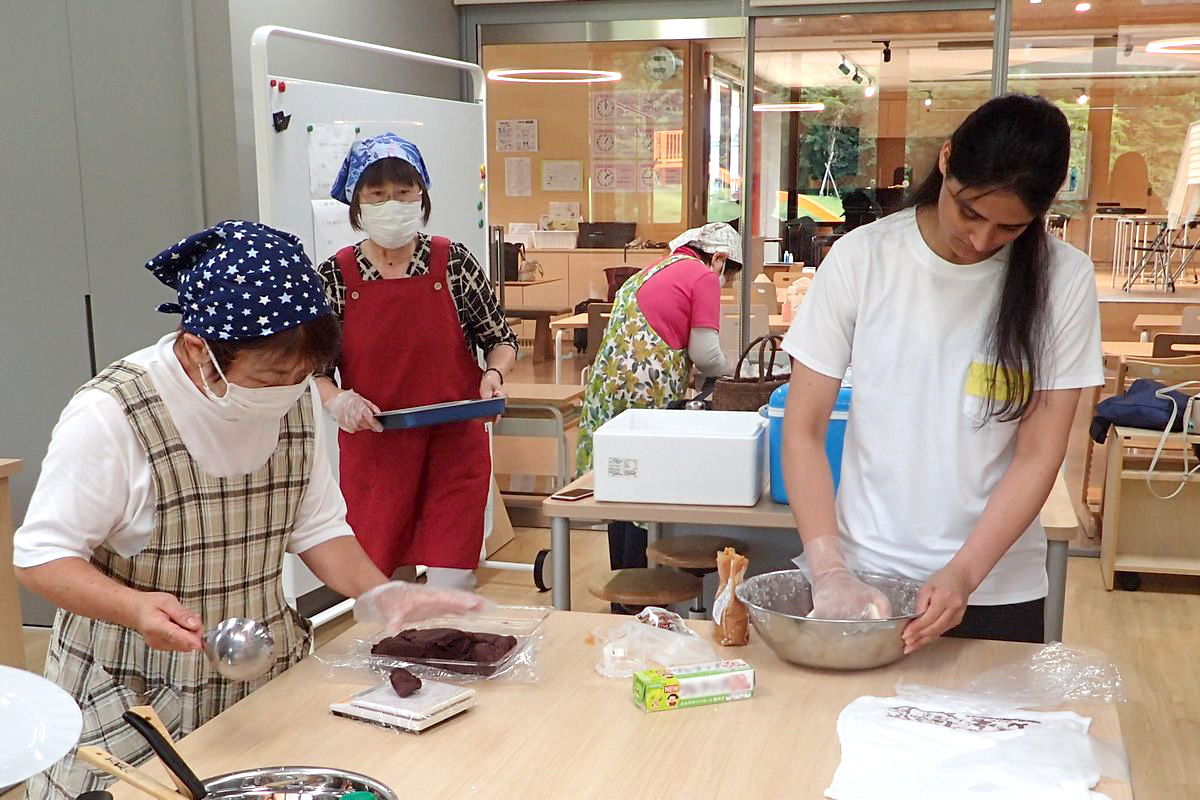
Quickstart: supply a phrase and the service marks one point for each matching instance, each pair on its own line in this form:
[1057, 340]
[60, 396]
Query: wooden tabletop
[9, 467]
[576, 734]
[1127, 349]
[573, 322]
[776, 324]
[540, 393]
[533, 312]
[1162, 322]
[1058, 515]
[535, 282]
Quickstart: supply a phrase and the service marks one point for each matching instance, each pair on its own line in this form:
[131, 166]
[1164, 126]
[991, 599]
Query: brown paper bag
[729, 613]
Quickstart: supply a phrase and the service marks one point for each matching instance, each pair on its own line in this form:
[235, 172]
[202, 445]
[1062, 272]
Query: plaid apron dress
[634, 366]
[218, 546]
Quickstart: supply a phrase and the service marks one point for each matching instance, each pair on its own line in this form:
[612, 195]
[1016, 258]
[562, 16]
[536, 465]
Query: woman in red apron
[416, 312]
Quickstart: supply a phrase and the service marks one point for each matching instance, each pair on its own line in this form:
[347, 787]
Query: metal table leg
[560, 552]
[1056, 595]
[558, 337]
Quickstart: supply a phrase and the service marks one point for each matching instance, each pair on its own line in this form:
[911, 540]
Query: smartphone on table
[571, 495]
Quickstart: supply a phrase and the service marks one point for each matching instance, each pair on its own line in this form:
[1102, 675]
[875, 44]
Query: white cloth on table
[893, 749]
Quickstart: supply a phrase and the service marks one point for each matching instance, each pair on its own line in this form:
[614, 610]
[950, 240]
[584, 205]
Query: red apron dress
[413, 496]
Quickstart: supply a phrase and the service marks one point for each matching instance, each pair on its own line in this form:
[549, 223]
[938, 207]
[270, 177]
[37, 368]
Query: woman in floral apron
[664, 321]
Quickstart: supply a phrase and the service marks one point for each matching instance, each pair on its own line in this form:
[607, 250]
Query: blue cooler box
[835, 437]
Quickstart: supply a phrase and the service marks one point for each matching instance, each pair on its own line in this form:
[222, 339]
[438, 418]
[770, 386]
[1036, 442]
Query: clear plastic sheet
[1054, 757]
[627, 647]
[395, 605]
[1052, 676]
[519, 665]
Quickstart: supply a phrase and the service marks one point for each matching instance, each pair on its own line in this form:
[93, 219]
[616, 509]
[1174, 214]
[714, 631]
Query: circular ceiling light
[789, 107]
[1082, 8]
[554, 75]
[869, 91]
[1190, 44]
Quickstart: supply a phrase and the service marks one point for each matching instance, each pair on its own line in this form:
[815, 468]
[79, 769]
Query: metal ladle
[240, 649]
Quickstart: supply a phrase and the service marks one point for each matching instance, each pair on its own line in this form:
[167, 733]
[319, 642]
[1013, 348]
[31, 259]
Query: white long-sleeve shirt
[96, 487]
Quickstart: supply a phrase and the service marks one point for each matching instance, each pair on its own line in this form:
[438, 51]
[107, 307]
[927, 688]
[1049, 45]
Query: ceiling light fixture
[1035, 2]
[554, 75]
[844, 66]
[1083, 8]
[928, 99]
[1083, 98]
[1190, 45]
[887, 48]
[801, 107]
[869, 90]
[857, 77]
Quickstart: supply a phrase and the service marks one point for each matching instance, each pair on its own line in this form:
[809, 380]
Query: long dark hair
[1022, 144]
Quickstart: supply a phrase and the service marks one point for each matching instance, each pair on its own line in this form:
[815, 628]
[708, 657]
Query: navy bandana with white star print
[240, 280]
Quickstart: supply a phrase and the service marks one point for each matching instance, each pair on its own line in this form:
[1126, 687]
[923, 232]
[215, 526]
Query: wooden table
[578, 735]
[559, 327]
[1115, 351]
[1058, 518]
[12, 650]
[540, 315]
[1146, 325]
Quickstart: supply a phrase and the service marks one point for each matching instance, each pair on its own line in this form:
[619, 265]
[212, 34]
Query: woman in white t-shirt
[971, 333]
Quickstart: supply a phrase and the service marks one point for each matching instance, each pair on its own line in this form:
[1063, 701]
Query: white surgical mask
[243, 404]
[391, 224]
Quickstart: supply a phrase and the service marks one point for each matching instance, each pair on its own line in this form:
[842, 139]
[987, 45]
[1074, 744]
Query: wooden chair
[696, 555]
[639, 587]
[1191, 320]
[1172, 345]
[1167, 371]
[597, 322]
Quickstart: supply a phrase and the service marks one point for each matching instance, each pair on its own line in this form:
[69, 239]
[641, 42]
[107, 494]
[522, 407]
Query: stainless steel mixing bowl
[291, 783]
[779, 604]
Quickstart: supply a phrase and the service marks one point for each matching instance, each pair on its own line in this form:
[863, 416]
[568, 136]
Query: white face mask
[391, 224]
[243, 404]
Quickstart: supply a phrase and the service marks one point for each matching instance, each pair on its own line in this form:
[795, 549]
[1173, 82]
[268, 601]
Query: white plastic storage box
[708, 458]
[555, 240]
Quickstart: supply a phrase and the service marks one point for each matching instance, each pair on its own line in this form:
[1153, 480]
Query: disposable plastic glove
[837, 592]
[352, 412]
[396, 604]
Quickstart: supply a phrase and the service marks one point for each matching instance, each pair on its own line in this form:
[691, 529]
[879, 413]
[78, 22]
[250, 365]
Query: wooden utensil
[121, 770]
[150, 715]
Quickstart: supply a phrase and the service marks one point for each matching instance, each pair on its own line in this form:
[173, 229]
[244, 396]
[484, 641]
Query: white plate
[39, 724]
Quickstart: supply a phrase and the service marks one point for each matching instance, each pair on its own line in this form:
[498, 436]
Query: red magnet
[282, 86]
[273, 82]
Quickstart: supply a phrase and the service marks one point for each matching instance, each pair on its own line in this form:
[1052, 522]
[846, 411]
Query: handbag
[514, 254]
[529, 270]
[750, 394]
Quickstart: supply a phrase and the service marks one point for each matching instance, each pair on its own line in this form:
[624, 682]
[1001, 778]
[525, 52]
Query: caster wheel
[542, 571]
[1129, 581]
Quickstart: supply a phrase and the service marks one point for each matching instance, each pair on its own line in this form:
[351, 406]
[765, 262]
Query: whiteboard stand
[445, 130]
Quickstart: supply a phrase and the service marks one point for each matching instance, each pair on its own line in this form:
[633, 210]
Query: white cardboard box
[709, 458]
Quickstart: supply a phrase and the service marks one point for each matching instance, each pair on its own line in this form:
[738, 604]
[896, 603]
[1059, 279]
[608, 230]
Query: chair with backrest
[1191, 320]
[1173, 345]
[1167, 371]
[598, 314]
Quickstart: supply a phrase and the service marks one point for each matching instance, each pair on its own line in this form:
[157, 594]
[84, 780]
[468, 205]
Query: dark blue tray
[441, 413]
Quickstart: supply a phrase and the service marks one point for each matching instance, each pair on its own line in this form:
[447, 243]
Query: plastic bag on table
[1054, 675]
[1047, 757]
[520, 664]
[662, 618]
[627, 647]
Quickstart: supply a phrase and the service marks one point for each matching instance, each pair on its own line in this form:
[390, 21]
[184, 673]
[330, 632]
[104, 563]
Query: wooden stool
[645, 587]
[695, 555]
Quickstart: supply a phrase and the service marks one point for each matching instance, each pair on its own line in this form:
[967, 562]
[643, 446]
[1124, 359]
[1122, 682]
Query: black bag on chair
[581, 334]
[514, 254]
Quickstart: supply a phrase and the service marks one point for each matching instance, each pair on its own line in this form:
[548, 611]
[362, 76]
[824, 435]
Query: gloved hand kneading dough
[837, 592]
[352, 412]
[396, 604]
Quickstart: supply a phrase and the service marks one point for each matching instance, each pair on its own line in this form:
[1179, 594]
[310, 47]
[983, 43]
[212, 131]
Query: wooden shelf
[1169, 565]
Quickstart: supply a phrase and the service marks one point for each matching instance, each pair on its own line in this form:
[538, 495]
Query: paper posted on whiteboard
[328, 144]
[331, 229]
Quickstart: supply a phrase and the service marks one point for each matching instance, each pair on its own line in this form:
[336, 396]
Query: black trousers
[626, 550]
[1016, 622]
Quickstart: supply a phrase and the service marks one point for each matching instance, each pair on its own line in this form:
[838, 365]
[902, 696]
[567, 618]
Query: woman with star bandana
[175, 482]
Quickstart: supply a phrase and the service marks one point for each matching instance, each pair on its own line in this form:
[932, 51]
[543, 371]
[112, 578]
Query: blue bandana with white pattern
[240, 280]
[366, 152]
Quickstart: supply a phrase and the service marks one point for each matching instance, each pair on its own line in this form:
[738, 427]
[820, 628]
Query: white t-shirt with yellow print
[918, 466]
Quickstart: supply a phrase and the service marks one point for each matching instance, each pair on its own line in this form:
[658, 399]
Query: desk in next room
[1058, 518]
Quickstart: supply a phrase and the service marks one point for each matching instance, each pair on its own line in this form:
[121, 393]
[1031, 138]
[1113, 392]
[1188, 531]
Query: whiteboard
[450, 134]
